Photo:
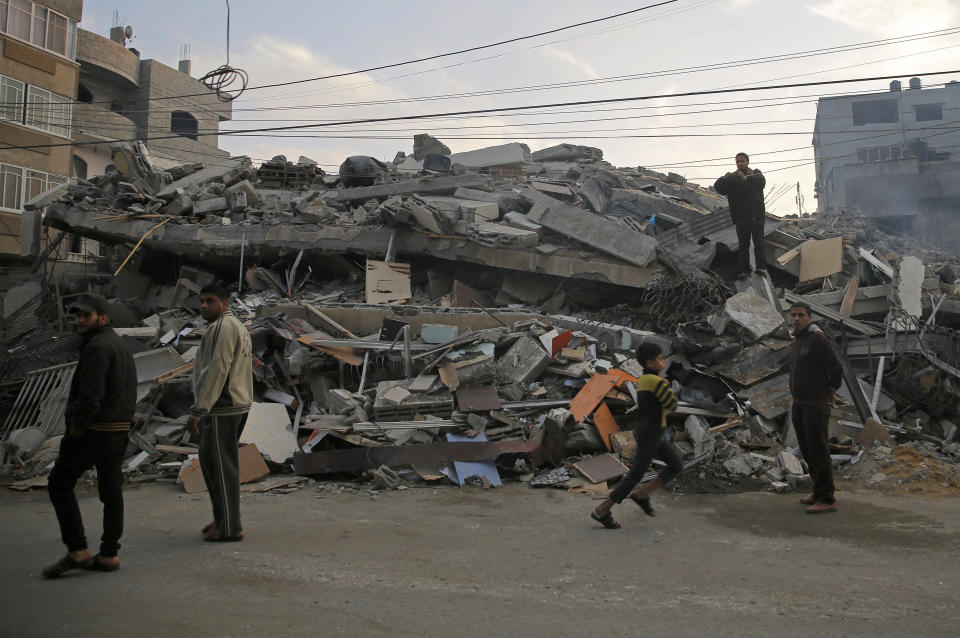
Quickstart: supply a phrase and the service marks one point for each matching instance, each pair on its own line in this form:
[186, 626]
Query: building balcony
[107, 61]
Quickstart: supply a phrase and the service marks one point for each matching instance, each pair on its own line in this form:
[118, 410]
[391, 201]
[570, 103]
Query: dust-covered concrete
[473, 562]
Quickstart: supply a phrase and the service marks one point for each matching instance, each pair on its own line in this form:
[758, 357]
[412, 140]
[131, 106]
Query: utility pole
[799, 200]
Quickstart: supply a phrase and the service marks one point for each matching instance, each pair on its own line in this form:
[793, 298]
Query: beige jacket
[223, 369]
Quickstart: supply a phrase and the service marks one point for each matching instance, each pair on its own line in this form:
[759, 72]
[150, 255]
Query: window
[19, 185]
[182, 123]
[11, 99]
[18, 19]
[76, 244]
[48, 111]
[79, 167]
[11, 187]
[929, 112]
[83, 94]
[895, 152]
[861, 155]
[39, 26]
[875, 112]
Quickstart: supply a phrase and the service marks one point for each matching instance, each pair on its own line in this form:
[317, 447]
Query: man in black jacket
[744, 191]
[103, 395]
[815, 377]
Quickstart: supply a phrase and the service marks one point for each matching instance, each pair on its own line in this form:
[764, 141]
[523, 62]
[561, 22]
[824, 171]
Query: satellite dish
[128, 32]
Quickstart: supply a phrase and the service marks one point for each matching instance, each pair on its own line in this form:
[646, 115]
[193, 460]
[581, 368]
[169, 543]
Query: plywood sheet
[252, 468]
[820, 258]
[605, 424]
[590, 396]
[602, 467]
[478, 399]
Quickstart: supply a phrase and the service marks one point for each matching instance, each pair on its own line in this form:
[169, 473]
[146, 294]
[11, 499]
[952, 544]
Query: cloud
[888, 18]
[571, 60]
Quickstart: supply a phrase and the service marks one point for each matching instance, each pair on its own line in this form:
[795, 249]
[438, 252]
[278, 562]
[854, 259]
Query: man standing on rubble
[222, 393]
[744, 191]
[815, 377]
[100, 407]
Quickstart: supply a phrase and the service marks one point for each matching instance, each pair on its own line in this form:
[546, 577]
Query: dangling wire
[222, 78]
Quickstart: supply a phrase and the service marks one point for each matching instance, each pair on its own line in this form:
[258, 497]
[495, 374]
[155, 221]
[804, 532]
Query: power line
[531, 107]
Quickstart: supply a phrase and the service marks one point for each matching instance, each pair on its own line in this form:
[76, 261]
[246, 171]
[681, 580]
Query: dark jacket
[103, 393]
[815, 370]
[745, 197]
[655, 399]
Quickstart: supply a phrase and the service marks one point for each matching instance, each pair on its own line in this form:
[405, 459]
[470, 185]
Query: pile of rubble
[472, 318]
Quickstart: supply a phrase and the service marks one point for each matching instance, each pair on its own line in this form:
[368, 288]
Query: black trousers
[747, 229]
[650, 445]
[104, 451]
[219, 437]
[811, 423]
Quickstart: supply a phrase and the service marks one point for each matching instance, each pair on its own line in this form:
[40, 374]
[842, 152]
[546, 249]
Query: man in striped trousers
[222, 393]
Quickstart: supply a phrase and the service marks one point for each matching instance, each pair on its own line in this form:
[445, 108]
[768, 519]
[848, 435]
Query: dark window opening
[182, 123]
[84, 95]
[79, 167]
[928, 112]
[115, 106]
[76, 244]
[875, 112]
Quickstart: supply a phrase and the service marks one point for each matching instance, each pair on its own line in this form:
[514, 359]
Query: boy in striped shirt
[655, 399]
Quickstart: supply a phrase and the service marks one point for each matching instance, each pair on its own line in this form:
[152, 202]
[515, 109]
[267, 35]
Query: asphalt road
[460, 562]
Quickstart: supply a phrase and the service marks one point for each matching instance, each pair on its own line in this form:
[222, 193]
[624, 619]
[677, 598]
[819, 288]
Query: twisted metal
[672, 299]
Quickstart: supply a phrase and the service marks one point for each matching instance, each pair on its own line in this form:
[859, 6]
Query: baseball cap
[89, 303]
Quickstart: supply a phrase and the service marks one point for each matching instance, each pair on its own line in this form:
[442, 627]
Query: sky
[654, 52]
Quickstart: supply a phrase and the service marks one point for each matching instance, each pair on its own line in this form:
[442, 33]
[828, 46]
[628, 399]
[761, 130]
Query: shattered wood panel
[428, 455]
[387, 282]
[605, 424]
[589, 397]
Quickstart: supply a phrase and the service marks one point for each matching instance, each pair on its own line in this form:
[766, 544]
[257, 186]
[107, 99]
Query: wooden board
[602, 467]
[589, 397]
[605, 424]
[252, 467]
[849, 296]
[820, 258]
[387, 282]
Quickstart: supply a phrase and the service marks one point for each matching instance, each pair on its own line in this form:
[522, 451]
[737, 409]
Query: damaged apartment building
[893, 156]
[59, 84]
[472, 317]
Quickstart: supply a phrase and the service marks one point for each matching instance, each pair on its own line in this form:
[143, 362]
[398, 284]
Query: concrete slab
[268, 426]
[754, 313]
[512, 153]
[595, 231]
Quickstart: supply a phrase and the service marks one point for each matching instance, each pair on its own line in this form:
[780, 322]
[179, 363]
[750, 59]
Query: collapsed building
[472, 317]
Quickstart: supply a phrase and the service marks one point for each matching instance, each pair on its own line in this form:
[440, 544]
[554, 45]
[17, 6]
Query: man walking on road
[100, 407]
[815, 376]
[222, 393]
[744, 191]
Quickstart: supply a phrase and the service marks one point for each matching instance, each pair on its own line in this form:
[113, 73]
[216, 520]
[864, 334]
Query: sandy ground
[472, 562]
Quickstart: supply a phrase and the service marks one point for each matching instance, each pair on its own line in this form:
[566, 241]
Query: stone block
[742, 464]
[210, 205]
[524, 362]
[788, 463]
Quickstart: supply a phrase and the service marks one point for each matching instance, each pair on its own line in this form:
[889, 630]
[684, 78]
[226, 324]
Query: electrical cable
[223, 78]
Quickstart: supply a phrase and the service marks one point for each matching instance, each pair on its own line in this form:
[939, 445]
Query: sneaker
[808, 500]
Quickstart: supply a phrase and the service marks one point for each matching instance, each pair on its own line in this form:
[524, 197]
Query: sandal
[65, 565]
[606, 520]
[209, 526]
[96, 566]
[644, 504]
[213, 536]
